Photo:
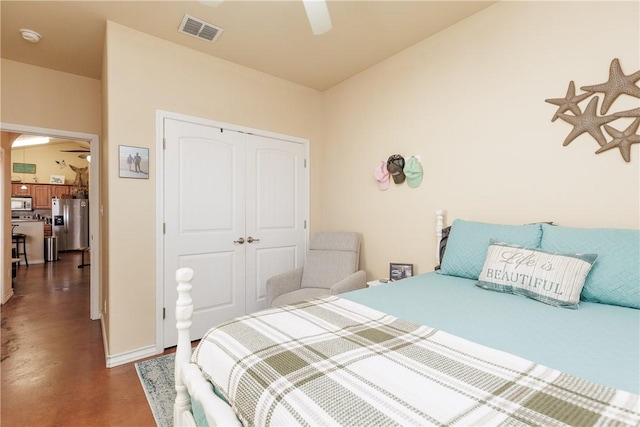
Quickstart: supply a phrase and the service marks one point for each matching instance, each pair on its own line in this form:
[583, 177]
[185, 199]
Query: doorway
[94, 200]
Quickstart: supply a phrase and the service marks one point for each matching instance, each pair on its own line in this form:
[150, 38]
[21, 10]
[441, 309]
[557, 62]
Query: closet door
[276, 211]
[204, 214]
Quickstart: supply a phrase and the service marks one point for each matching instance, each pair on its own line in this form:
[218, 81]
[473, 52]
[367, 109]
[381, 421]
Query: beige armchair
[331, 267]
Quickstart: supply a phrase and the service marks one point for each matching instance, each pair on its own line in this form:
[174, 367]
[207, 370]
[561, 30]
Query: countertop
[26, 220]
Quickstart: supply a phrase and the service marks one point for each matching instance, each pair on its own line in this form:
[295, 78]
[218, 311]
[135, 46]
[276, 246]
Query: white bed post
[184, 312]
[439, 226]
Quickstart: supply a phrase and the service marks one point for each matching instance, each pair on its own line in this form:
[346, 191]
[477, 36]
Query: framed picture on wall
[24, 168]
[56, 179]
[134, 162]
[400, 271]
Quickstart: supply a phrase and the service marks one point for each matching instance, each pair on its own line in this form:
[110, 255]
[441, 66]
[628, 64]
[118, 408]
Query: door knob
[251, 239]
[239, 241]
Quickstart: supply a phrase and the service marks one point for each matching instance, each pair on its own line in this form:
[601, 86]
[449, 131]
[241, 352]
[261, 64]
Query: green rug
[156, 377]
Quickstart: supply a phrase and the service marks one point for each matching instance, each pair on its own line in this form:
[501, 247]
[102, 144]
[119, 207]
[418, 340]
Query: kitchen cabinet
[16, 189]
[41, 194]
[59, 191]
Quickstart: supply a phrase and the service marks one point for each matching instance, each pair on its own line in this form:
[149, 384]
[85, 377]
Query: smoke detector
[198, 28]
[30, 35]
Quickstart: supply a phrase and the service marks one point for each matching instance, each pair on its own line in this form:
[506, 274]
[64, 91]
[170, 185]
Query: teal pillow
[549, 277]
[468, 242]
[615, 276]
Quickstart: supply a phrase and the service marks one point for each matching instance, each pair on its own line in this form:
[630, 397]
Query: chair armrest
[357, 280]
[283, 283]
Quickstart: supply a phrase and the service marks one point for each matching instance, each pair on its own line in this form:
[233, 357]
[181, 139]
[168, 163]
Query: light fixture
[30, 35]
[26, 140]
[23, 186]
[211, 3]
[318, 15]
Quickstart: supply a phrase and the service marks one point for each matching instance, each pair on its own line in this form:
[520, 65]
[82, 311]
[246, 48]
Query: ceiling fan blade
[318, 15]
[75, 151]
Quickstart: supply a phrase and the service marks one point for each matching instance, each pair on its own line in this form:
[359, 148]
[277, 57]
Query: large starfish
[569, 102]
[589, 121]
[617, 84]
[622, 140]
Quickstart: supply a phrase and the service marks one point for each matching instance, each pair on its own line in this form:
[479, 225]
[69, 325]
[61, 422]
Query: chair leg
[24, 249]
[17, 241]
[15, 257]
[15, 252]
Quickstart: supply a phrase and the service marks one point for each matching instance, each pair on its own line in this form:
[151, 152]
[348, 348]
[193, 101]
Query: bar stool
[19, 238]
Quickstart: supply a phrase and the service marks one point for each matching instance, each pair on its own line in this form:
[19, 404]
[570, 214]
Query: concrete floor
[53, 365]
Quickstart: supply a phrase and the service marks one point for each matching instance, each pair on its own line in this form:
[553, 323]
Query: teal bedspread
[597, 342]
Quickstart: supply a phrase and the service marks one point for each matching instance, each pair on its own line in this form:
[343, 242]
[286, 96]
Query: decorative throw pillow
[468, 241]
[552, 278]
[615, 277]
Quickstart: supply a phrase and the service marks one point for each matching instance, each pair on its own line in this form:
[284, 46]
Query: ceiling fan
[85, 152]
[317, 13]
[80, 150]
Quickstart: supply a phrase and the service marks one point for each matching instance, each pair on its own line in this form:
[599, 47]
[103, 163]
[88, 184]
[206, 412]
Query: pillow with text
[549, 277]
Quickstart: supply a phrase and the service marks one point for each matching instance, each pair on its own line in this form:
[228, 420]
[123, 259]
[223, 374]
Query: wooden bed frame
[190, 383]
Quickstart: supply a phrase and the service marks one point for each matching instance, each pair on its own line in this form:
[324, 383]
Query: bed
[490, 338]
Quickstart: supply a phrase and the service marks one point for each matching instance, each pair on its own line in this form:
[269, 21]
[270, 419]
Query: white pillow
[549, 277]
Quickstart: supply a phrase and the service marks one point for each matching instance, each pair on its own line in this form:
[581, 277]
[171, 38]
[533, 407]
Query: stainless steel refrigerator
[70, 223]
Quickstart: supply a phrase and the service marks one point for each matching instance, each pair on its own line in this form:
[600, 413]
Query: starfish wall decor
[588, 120]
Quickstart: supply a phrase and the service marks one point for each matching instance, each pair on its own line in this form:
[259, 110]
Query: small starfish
[628, 113]
[617, 84]
[589, 122]
[622, 140]
[569, 102]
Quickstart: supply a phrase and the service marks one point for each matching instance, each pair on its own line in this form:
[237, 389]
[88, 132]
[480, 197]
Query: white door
[204, 211]
[234, 211]
[276, 212]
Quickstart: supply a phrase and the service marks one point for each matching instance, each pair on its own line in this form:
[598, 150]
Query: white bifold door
[234, 212]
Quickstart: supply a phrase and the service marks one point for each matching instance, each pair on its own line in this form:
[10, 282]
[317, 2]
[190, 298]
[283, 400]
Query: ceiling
[270, 36]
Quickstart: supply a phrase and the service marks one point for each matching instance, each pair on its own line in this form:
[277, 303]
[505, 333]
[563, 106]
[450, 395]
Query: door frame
[94, 200]
[161, 115]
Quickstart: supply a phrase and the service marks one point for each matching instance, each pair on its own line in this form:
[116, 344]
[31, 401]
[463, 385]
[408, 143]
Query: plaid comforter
[331, 361]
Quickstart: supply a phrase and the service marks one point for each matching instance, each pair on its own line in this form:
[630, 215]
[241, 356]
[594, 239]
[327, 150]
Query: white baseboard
[127, 357]
[131, 356]
[105, 343]
[8, 296]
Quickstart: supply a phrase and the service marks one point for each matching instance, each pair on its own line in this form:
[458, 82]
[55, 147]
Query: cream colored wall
[45, 157]
[144, 74]
[40, 97]
[104, 211]
[6, 287]
[470, 102]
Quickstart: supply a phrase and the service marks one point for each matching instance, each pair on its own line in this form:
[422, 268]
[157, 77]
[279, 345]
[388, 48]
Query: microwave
[21, 204]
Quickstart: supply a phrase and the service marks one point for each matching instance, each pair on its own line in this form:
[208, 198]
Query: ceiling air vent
[198, 28]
